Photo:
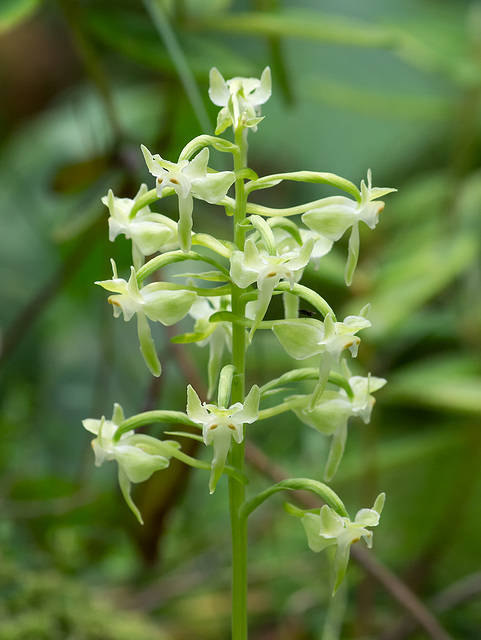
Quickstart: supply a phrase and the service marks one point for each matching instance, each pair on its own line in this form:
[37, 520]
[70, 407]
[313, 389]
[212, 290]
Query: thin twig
[454, 595]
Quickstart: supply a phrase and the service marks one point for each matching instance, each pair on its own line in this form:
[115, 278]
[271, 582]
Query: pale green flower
[152, 302]
[330, 529]
[149, 232]
[332, 411]
[303, 338]
[285, 241]
[220, 425]
[189, 179]
[338, 213]
[138, 456]
[240, 98]
[252, 265]
[320, 248]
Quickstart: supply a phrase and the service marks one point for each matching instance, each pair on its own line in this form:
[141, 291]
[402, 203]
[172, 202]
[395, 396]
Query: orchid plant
[266, 256]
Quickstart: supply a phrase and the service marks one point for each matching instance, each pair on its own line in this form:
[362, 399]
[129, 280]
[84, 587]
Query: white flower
[220, 425]
[150, 232]
[252, 265]
[303, 338]
[137, 455]
[332, 411]
[338, 213]
[188, 178]
[329, 528]
[240, 99]
[285, 241]
[152, 302]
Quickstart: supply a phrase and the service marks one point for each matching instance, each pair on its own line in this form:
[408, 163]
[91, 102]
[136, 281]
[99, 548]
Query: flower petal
[195, 410]
[147, 345]
[125, 487]
[336, 452]
[214, 186]
[221, 441]
[218, 90]
[262, 93]
[250, 412]
[300, 338]
[166, 306]
[137, 464]
[312, 524]
[332, 219]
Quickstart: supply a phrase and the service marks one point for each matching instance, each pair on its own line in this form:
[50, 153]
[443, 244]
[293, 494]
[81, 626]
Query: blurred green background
[394, 86]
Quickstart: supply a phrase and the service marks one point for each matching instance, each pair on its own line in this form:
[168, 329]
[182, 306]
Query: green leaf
[419, 268]
[380, 103]
[13, 12]
[140, 43]
[443, 383]
[304, 25]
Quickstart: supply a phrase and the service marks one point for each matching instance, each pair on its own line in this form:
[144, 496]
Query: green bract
[188, 179]
[329, 528]
[220, 425]
[240, 99]
[137, 455]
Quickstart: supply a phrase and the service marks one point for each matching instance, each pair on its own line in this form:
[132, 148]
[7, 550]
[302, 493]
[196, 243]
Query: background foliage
[395, 86]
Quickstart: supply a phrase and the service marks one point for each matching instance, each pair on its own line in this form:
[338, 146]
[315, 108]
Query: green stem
[172, 257]
[299, 402]
[297, 484]
[309, 296]
[161, 23]
[198, 143]
[237, 453]
[149, 417]
[306, 373]
[306, 176]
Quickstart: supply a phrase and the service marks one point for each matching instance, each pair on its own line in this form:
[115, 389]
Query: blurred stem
[278, 63]
[157, 13]
[15, 332]
[297, 484]
[91, 64]
[237, 453]
[336, 614]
